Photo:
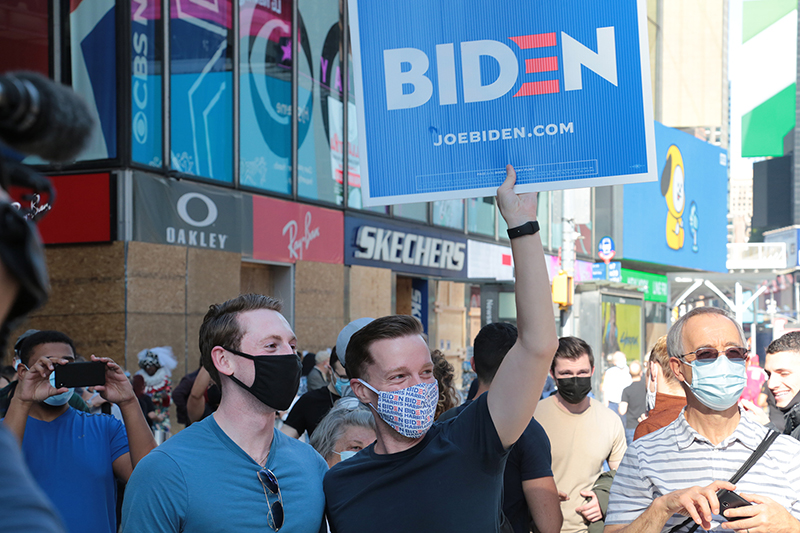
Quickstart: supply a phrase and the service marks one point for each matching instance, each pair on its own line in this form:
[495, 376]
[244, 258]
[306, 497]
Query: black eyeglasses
[270, 483]
[734, 353]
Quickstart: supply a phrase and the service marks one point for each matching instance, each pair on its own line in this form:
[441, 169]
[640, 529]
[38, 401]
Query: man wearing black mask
[583, 434]
[233, 471]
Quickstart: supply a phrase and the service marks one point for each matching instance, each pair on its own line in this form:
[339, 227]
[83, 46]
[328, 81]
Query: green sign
[654, 286]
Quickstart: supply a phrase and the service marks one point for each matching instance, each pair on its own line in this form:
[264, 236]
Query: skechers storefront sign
[187, 214]
[404, 248]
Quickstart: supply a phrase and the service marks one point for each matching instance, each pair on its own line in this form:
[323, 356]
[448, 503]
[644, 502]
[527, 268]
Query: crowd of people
[391, 447]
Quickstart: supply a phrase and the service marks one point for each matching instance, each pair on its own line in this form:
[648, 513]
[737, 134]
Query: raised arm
[33, 386]
[118, 390]
[519, 380]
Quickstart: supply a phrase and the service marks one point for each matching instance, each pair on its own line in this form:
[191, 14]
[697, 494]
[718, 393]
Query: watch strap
[528, 228]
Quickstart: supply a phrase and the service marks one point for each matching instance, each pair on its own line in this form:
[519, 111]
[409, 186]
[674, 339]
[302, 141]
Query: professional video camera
[42, 118]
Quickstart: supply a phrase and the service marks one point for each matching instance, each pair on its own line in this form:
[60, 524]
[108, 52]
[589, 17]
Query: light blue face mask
[347, 454]
[342, 386]
[58, 399]
[718, 384]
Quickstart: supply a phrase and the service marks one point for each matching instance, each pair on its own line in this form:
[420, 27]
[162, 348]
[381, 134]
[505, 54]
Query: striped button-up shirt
[677, 457]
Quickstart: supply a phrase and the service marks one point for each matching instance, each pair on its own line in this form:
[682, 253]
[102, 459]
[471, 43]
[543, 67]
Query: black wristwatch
[528, 228]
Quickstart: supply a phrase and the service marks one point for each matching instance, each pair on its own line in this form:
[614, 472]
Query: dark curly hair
[445, 375]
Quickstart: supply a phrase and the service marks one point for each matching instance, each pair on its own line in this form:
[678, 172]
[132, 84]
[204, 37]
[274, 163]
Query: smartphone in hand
[730, 500]
[87, 374]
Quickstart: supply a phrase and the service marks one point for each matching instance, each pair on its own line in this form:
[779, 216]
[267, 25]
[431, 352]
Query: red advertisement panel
[82, 210]
[287, 232]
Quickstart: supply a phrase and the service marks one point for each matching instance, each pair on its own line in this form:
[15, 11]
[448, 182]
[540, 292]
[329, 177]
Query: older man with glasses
[684, 470]
[233, 471]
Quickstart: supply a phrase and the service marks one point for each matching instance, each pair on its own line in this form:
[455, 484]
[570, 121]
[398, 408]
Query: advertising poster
[452, 90]
[622, 328]
[201, 89]
[419, 301]
[266, 99]
[680, 220]
[92, 34]
[146, 100]
[336, 122]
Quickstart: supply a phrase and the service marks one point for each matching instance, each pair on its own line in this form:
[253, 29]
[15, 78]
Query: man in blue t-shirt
[529, 490]
[233, 471]
[72, 455]
[445, 477]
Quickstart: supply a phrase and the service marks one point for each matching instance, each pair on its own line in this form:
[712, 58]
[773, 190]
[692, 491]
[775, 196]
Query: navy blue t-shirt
[529, 458]
[450, 481]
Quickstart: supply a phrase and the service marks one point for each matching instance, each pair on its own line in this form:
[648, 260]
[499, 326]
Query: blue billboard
[453, 90]
[680, 220]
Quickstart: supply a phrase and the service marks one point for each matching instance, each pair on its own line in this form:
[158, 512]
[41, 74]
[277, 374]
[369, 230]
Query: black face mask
[575, 389]
[277, 378]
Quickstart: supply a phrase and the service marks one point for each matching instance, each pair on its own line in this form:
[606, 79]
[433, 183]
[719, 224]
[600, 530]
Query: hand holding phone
[730, 500]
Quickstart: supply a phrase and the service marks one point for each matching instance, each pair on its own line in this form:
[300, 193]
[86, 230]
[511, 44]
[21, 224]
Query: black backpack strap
[755, 456]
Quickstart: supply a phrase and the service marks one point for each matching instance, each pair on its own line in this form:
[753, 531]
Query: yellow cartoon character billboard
[672, 189]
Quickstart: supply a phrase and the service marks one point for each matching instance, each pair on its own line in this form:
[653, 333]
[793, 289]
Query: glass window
[265, 96]
[201, 89]
[353, 157]
[147, 54]
[480, 215]
[449, 213]
[556, 236]
[416, 211]
[543, 216]
[603, 216]
[25, 45]
[502, 227]
[93, 72]
[507, 306]
[320, 171]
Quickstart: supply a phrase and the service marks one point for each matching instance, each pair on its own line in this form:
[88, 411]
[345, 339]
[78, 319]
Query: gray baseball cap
[344, 336]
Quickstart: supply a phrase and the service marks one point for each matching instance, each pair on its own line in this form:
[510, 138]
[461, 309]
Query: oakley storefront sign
[187, 214]
[404, 248]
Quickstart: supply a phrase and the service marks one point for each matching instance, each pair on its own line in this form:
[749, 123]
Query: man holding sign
[419, 476]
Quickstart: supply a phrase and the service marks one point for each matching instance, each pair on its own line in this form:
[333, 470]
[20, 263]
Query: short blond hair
[660, 356]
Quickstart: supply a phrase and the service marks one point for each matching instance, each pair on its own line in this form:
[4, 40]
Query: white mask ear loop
[370, 387]
[367, 385]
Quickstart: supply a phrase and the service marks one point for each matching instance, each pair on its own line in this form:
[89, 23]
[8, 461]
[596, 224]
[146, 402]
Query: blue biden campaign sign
[450, 91]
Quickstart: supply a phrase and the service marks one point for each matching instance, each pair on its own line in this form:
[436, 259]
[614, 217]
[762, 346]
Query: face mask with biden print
[408, 411]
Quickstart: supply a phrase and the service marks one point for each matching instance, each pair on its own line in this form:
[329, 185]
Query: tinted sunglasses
[270, 483]
[734, 353]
